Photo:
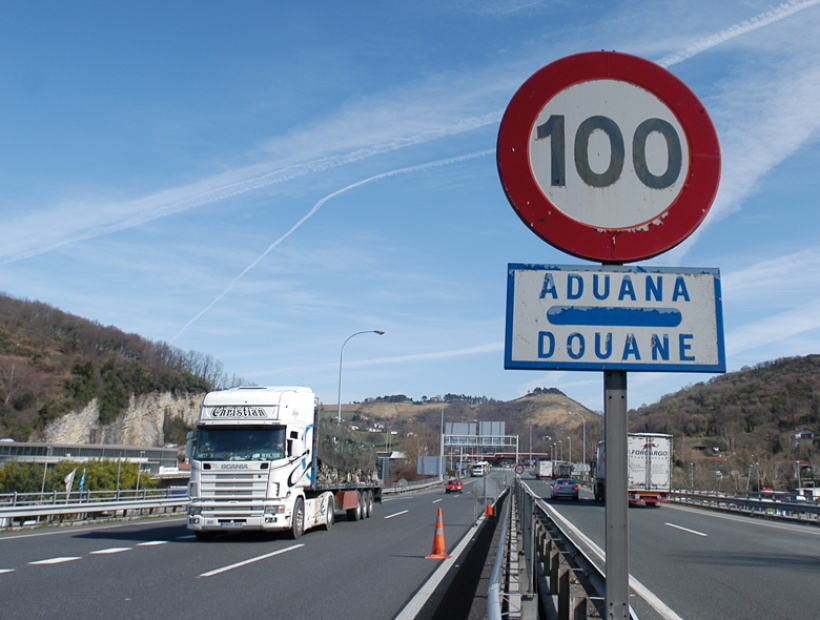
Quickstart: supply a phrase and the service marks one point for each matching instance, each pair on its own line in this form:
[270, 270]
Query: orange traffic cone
[489, 512]
[439, 546]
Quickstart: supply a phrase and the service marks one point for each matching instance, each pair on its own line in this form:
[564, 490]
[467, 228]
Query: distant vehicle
[544, 470]
[565, 487]
[482, 468]
[649, 463]
[454, 485]
[562, 469]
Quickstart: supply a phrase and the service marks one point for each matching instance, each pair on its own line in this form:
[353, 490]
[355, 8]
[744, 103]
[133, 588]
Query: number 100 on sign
[609, 154]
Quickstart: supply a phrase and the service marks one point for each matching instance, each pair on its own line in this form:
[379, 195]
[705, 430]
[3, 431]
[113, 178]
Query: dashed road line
[54, 561]
[152, 543]
[686, 529]
[396, 514]
[109, 551]
[250, 561]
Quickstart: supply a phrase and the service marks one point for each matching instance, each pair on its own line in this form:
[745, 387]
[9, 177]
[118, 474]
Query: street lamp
[441, 455]
[584, 421]
[139, 469]
[341, 359]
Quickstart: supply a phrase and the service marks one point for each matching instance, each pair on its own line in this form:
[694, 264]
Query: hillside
[742, 422]
[540, 416]
[52, 363]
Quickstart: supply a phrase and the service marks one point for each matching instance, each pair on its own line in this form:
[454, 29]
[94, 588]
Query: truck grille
[233, 486]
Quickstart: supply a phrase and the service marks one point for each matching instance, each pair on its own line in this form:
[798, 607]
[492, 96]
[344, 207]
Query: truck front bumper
[208, 517]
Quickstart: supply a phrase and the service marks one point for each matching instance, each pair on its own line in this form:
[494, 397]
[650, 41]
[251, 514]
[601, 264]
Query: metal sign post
[617, 503]
[611, 158]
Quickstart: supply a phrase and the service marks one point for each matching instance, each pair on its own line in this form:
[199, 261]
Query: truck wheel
[329, 518]
[297, 521]
[354, 514]
[368, 503]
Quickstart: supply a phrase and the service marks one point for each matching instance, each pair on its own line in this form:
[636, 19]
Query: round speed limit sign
[608, 157]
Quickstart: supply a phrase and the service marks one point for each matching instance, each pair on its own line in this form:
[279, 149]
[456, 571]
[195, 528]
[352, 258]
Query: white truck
[649, 469]
[543, 470]
[482, 468]
[262, 460]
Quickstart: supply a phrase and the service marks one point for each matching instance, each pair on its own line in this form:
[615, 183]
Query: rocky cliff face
[141, 425]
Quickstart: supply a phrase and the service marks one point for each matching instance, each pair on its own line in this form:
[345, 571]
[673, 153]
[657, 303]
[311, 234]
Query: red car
[454, 485]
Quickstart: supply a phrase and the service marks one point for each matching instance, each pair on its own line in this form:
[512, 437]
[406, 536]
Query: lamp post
[584, 422]
[341, 359]
[441, 455]
[139, 469]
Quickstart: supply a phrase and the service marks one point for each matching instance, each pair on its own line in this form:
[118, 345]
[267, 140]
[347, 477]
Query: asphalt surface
[156, 569]
[704, 565]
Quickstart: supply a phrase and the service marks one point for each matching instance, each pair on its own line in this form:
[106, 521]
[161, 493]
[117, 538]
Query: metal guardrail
[793, 511]
[411, 486]
[494, 589]
[36, 505]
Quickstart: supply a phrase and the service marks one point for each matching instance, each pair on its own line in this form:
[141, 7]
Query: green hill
[52, 362]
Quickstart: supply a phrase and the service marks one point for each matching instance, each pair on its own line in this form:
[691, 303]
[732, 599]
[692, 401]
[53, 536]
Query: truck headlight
[194, 511]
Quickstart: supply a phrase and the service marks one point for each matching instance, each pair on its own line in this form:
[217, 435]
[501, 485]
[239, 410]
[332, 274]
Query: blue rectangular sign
[580, 317]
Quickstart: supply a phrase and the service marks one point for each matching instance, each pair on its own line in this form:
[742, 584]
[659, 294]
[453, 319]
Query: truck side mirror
[189, 445]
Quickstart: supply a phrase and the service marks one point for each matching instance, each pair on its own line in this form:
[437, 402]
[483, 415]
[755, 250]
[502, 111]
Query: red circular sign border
[608, 245]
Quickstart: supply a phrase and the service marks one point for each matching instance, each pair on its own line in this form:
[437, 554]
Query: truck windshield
[246, 443]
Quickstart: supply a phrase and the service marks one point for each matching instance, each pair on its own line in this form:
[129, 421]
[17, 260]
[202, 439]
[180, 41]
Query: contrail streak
[317, 206]
[758, 21]
[227, 185]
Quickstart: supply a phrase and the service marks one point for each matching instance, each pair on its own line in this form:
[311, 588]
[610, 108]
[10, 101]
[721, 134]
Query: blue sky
[259, 180]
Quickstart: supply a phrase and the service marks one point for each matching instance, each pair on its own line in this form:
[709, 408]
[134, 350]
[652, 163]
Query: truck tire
[354, 514]
[330, 516]
[368, 503]
[297, 520]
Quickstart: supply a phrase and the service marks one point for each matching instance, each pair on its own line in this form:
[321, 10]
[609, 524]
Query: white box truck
[649, 469]
[543, 470]
[262, 460]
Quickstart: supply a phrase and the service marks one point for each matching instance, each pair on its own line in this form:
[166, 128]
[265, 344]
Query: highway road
[704, 565]
[152, 569]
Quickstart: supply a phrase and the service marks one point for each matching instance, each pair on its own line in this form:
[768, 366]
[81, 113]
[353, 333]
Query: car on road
[454, 485]
[565, 488]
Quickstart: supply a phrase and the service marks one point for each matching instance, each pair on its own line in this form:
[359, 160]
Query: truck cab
[251, 463]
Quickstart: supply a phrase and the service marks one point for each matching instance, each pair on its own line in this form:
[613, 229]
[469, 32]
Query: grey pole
[341, 359]
[617, 502]
[584, 427]
[441, 455]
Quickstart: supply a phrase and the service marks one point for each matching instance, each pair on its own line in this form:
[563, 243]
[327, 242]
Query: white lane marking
[250, 561]
[109, 551]
[6, 570]
[657, 604]
[436, 501]
[189, 536]
[53, 561]
[790, 527]
[396, 514]
[152, 543]
[685, 529]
